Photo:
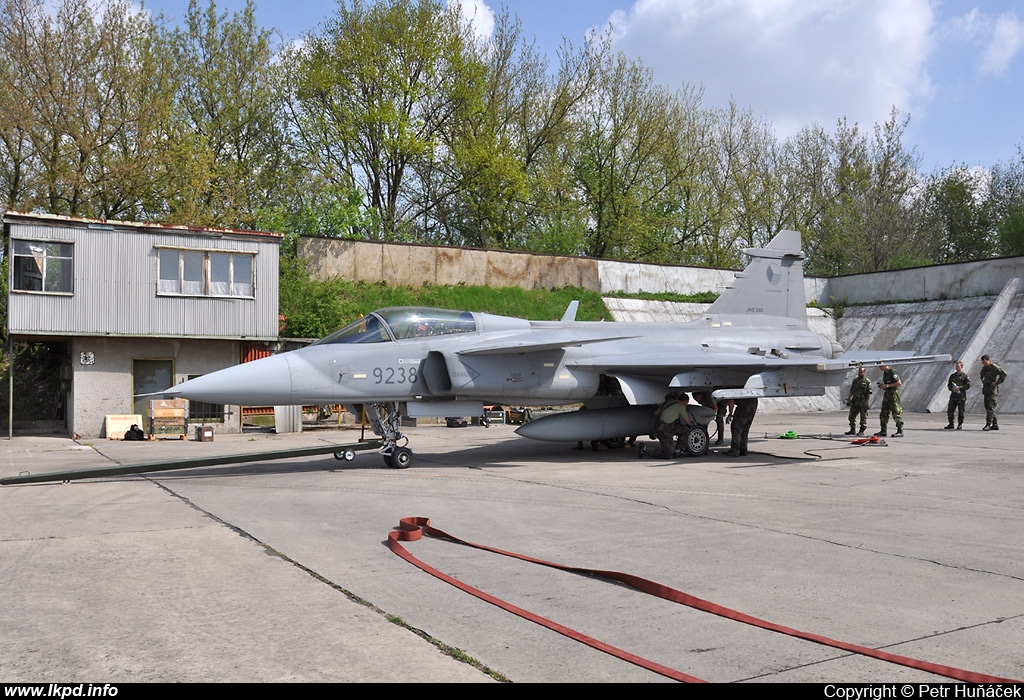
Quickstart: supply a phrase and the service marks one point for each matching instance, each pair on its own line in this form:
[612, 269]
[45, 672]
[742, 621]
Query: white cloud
[967, 27]
[479, 16]
[790, 61]
[1006, 42]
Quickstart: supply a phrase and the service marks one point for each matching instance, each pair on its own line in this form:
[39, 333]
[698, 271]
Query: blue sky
[956, 68]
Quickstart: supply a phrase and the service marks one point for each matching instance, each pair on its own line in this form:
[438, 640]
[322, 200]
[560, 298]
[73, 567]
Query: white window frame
[205, 273]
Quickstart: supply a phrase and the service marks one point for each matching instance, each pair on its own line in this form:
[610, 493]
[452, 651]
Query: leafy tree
[958, 215]
[371, 96]
[321, 209]
[632, 161]
[805, 170]
[743, 177]
[508, 176]
[1010, 231]
[1006, 200]
[228, 153]
[17, 162]
[870, 220]
[75, 131]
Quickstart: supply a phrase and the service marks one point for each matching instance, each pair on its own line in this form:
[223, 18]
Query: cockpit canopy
[400, 323]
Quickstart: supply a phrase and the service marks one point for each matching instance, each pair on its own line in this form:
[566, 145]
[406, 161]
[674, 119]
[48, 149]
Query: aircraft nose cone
[265, 382]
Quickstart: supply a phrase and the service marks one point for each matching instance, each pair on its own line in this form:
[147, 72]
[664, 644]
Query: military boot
[851, 431]
[949, 427]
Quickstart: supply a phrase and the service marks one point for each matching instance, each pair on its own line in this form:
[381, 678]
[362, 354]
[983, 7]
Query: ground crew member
[673, 416]
[742, 419]
[723, 416]
[858, 400]
[958, 385]
[890, 384]
[992, 376]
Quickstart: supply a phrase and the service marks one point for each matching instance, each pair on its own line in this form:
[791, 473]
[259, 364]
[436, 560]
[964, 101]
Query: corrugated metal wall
[116, 280]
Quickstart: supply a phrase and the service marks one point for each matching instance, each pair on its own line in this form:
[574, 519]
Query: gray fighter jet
[752, 342]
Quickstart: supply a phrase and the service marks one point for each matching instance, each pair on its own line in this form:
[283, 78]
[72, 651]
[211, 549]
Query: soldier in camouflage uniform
[958, 385]
[991, 377]
[890, 384]
[742, 419]
[672, 418]
[858, 400]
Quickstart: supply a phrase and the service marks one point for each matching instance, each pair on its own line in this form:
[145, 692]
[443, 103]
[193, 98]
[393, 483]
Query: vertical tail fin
[570, 312]
[772, 285]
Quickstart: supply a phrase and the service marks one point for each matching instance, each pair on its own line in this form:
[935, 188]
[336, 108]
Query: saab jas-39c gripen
[753, 341]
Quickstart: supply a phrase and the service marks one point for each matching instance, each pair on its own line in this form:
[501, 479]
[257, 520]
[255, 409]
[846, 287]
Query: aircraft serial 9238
[753, 341]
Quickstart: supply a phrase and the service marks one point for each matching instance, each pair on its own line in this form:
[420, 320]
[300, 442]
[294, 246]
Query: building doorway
[150, 377]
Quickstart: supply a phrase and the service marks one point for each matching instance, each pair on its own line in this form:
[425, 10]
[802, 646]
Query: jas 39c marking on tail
[752, 342]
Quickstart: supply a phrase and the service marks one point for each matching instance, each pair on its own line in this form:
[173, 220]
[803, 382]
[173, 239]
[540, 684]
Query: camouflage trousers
[859, 408]
[668, 439]
[891, 406]
[957, 401]
[990, 407]
[723, 409]
[742, 419]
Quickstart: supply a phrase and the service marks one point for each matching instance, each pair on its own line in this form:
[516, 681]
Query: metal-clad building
[137, 307]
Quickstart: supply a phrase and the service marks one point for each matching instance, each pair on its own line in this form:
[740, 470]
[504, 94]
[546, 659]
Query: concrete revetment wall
[415, 265]
[950, 281]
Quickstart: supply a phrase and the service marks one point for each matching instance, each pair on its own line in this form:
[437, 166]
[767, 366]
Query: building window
[204, 273]
[43, 266]
[202, 412]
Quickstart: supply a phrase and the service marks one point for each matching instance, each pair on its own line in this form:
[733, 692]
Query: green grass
[698, 298]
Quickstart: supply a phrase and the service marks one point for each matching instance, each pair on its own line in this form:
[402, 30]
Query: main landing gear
[387, 422]
[695, 441]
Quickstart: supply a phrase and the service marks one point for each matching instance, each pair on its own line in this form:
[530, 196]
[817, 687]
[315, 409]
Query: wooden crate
[115, 426]
[168, 418]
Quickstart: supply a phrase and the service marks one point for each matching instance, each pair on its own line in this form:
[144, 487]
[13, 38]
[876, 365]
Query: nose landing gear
[386, 421]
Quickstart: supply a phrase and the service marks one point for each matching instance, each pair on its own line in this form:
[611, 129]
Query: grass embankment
[315, 308]
[698, 298]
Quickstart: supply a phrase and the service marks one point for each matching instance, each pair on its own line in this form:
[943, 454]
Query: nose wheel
[400, 458]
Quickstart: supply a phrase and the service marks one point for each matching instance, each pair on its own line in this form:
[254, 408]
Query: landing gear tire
[697, 441]
[346, 455]
[616, 443]
[400, 458]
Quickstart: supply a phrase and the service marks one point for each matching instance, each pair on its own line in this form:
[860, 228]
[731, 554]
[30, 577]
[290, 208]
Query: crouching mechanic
[673, 418]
